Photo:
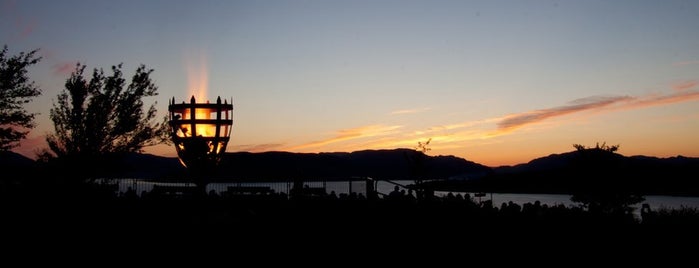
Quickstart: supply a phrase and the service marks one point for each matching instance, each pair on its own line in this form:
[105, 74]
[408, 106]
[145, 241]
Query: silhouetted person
[297, 189]
[130, 193]
[395, 194]
[410, 196]
[646, 213]
[213, 194]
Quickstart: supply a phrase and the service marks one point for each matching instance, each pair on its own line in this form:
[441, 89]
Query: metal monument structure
[200, 133]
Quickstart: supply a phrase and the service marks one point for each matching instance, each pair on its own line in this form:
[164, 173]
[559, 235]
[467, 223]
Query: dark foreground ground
[96, 210]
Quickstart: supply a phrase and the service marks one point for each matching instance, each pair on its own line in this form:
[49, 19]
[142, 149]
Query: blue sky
[496, 82]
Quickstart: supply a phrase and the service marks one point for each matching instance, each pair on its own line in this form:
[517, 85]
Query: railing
[351, 185]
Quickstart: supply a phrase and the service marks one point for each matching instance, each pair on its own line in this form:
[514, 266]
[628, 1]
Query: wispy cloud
[683, 63]
[64, 68]
[466, 124]
[437, 139]
[59, 67]
[23, 26]
[27, 28]
[468, 133]
[443, 137]
[655, 100]
[682, 92]
[514, 121]
[265, 147]
[682, 86]
[350, 134]
[409, 111]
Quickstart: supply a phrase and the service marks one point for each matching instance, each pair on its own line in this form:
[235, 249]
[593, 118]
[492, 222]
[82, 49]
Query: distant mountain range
[397, 164]
[589, 170]
[384, 164]
[556, 173]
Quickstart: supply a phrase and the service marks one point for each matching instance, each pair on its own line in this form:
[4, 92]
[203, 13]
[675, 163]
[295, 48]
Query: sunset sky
[494, 82]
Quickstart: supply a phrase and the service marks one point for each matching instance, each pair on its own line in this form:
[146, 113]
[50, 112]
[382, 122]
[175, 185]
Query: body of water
[385, 187]
[654, 201]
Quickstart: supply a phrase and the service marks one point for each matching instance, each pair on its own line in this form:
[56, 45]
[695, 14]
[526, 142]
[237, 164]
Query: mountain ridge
[276, 165]
[555, 173]
[590, 169]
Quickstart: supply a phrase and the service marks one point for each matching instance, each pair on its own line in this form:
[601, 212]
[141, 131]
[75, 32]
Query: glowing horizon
[442, 138]
[498, 83]
[447, 137]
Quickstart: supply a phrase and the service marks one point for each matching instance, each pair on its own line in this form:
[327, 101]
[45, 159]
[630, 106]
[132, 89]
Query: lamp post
[200, 132]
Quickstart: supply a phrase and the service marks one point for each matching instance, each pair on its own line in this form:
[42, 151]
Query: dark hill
[379, 164]
[592, 169]
[556, 173]
[11, 159]
[384, 164]
[15, 166]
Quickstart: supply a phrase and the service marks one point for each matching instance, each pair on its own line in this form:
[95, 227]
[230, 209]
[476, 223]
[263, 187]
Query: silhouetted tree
[417, 162]
[422, 146]
[16, 90]
[601, 182]
[603, 147]
[104, 116]
[419, 158]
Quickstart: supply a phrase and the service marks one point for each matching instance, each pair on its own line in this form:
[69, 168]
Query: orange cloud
[685, 85]
[265, 147]
[654, 100]
[350, 134]
[448, 136]
[409, 111]
[453, 136]
[466, 124]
